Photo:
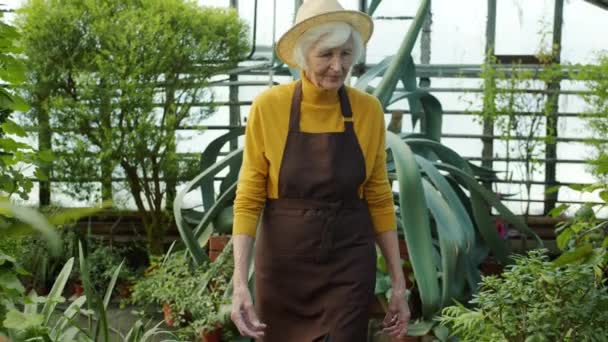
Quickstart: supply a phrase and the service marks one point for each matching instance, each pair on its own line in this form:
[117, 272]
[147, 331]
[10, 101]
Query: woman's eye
[346, 53]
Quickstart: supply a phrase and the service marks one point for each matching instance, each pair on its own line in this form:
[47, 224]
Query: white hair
[328, 36]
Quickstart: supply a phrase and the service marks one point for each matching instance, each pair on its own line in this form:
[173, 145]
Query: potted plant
[191, 297]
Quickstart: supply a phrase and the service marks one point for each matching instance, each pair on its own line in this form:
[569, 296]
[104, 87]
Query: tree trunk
[155, 234]
[154, 222]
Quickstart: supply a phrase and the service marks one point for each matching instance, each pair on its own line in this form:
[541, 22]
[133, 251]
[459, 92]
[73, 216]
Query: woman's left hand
[397, 316]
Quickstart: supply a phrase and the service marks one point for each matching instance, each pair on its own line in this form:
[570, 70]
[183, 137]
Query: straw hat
[315, 12]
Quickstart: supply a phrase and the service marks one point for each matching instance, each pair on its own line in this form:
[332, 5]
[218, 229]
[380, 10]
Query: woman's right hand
[243, 314]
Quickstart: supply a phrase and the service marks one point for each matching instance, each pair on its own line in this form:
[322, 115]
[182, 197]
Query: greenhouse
[213, 170]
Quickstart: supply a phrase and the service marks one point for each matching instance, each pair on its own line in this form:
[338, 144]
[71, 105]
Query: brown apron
[315, 259]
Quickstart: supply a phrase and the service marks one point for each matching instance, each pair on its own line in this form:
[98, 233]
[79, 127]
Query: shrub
[534, 300]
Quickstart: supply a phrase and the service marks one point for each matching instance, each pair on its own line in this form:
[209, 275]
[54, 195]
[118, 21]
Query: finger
[393, 330]
[389, 319]
[244, 327]
[239, 324]
[239, 317]
[251, 319]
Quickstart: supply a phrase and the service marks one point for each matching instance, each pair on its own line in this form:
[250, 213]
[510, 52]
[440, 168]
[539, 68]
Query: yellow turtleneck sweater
[266, 133]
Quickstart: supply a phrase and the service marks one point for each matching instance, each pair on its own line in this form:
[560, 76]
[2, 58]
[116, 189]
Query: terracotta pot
[212, 336]
[214, 254]
[218, 242]
[167, 314]
[77, 289]
[216, 245]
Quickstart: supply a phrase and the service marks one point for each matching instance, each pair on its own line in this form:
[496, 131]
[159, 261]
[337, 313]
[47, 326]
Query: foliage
[16, 156]
[22, 318]
[534, 300]
[103, 261]
[116, 79]
[596, 116]
[196, 294]
[43, 266]
[515, 102]
[10, 287]
[583, 238]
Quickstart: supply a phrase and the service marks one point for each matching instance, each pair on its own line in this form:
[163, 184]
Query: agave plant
[444, 210]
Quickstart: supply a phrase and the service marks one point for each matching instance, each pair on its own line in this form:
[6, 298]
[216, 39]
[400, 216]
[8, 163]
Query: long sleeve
[266, 135]
[377, 190]
[251, 190]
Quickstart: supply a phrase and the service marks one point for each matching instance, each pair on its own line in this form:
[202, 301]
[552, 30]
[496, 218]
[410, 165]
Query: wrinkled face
[327, 68]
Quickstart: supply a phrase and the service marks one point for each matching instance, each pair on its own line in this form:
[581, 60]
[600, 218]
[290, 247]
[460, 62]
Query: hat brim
[360, 21]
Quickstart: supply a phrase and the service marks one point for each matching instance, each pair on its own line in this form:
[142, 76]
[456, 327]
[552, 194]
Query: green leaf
[69, 314]
[563, 238]
[46, 155]
[40, 174]
[18, 104]
[67, 216]
[209, 158]
[559, 210]
[420, 328]
[441, 332]
[10, 127]
[85, 277]
[377, 70]
[383, 284]
[577, 187]
[578, 254]
[480, 195]
[9, 281]
[416, 225]
[387, 84]
[604, 195]
[111, 285]
[32, 220]
[10, 145]
[54, 295]
[13, 70]
[373, 6]
[19, 321]
[451, 243]
[197, 237]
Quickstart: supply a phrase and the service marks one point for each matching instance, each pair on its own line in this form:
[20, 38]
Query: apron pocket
[287, 233]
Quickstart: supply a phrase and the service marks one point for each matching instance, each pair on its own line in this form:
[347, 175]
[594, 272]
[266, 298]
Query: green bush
[196, 295]
[103, 261]
[117, 78]
[534, 300]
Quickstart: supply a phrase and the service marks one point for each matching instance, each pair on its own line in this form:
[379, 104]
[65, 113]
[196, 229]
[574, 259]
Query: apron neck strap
[296, 101]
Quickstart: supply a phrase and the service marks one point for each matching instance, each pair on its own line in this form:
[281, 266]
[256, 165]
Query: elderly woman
[314, 162]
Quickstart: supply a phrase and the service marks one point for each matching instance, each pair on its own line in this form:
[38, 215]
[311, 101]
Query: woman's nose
[336, 63]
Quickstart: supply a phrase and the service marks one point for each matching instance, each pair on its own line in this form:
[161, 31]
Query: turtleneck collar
[316, 95]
